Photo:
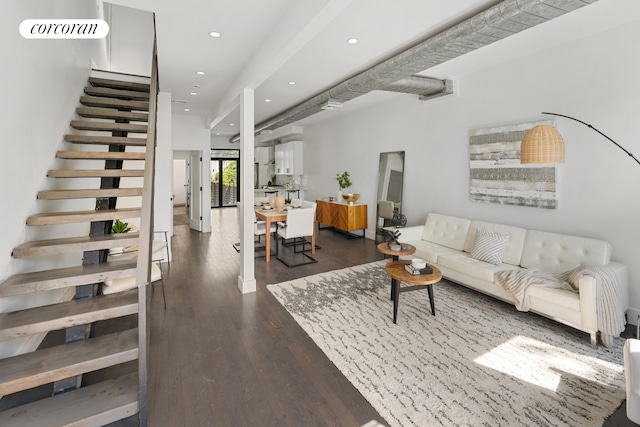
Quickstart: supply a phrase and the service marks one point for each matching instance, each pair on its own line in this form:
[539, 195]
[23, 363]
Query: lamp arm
[589, 126]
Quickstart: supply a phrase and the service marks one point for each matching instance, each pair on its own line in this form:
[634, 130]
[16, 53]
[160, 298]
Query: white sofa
[446, 242]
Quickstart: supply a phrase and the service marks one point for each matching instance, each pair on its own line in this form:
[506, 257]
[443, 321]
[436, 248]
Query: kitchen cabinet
[288, 157]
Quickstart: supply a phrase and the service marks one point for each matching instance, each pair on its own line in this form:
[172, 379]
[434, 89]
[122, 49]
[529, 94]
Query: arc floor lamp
[543, 144]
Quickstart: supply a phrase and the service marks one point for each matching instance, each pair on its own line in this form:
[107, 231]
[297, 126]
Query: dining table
[274, 215]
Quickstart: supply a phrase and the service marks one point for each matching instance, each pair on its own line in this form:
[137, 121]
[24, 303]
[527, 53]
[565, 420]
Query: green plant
[120, 227]
[343, 180]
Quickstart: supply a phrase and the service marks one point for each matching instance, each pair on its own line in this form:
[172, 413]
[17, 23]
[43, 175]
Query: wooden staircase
[107, 110]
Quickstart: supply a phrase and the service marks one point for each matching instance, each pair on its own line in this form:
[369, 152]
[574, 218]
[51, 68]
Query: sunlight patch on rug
[478, 362]
[544, 365]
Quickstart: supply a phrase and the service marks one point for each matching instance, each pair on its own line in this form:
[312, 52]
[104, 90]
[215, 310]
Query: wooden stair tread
[33, 369]
[96, 101]
[67, 314]
[75, 244]
[108, 127]
[95, 405]
[116, 93]
[105, 140]
[23, 283]
[95, 173]
[110, 113]
[89, 193]
[119, 84]
[100, 155]
[49, 218]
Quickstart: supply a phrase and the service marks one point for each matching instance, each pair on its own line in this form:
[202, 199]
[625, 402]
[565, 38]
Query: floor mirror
[389, 192]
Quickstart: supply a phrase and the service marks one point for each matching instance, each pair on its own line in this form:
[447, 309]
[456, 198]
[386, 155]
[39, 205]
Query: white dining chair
[259, 229]
[298, 226]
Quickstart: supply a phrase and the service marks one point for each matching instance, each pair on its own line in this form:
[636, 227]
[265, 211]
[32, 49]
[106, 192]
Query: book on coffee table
[415, 271]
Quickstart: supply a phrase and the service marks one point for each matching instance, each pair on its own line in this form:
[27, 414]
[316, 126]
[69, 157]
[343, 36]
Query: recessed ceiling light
[215, 34]
[217, 133]
[193, 93]
[200, 73]
[292, 82]
[186, 109]
[231, 124]
[352, 41]
[267, 100]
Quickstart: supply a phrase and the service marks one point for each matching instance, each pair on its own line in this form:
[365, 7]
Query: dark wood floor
[218, 357]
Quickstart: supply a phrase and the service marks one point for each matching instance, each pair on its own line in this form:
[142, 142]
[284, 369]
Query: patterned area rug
[477, 362]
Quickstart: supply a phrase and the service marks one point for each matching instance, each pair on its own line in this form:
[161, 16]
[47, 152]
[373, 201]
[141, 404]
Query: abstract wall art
[496, 175]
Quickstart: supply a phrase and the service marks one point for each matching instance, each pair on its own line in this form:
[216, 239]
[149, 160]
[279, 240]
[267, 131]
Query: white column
[246, 279]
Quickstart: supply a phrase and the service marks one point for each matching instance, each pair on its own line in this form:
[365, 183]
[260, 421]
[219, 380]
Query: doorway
[225, 178]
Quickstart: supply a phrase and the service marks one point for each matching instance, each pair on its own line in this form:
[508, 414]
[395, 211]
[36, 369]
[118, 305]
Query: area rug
[477, 362]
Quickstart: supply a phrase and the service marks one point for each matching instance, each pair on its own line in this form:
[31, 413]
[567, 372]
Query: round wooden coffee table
[398, 274]
[385, 249]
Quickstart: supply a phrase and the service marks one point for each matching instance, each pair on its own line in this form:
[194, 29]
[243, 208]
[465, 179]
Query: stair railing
[143, 274]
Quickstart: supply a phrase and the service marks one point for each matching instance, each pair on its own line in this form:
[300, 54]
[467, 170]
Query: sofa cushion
[562, 297]
[489, 247]
[513, 251]
[430, 251]
[446, 230]
[463, 263]
[559, 252]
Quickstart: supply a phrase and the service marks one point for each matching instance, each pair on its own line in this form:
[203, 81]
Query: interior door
[195, 207]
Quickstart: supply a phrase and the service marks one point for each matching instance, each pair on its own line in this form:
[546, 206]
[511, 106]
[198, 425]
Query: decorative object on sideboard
[344, 181]
[350, 198]
[543, 146]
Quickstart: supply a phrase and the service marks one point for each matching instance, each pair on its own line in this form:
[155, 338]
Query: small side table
[398, 274]
[384, 249]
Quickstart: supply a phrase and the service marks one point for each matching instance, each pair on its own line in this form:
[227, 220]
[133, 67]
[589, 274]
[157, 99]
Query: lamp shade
[542, 144]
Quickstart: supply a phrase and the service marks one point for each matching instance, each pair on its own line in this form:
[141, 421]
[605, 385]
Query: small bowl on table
[418, 263]
[394, 246]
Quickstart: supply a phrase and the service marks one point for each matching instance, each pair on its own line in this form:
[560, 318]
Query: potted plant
[344, 182]
[120, 227]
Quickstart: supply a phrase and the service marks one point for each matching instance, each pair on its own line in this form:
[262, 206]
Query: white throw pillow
[489, 247]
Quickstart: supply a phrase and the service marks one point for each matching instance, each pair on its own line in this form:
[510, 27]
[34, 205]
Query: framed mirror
[389, 193]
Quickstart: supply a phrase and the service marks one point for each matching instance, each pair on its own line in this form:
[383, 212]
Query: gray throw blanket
[609, 312]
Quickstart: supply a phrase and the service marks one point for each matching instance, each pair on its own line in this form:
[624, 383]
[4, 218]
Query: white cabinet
[289, 158]
[262, 155]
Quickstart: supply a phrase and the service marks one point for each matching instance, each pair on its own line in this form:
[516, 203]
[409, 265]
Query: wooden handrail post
[143, 274]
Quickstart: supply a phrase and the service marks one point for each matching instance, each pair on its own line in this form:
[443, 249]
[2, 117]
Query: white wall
[594, 79]
[41, 83]
[130, 39]
[179, 181]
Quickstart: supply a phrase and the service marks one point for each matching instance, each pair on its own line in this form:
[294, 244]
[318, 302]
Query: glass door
[225, 178]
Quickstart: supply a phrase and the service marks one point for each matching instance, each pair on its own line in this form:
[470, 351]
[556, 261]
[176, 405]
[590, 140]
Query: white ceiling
[267, 43]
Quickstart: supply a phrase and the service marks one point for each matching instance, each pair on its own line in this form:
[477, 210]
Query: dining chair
[298, 226]
[297, 203]
[259, 229]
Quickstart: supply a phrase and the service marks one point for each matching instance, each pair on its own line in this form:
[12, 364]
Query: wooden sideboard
[342, 216]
